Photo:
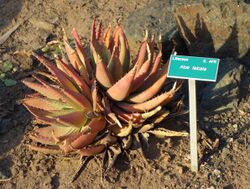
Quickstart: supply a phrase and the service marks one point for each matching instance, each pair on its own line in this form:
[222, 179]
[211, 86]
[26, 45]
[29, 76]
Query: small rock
[235, 126]
[165, 159]
[216, 130]
[225, 152]
[179, 169]
[152, 19]
[217, 172]
[211, 187]
[216, 116]
[230, 140]
[206, 119]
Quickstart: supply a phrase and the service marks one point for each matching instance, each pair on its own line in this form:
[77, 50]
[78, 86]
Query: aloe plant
[97, 99]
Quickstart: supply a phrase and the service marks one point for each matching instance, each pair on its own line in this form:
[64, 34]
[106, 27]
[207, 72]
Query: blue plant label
[192, 67]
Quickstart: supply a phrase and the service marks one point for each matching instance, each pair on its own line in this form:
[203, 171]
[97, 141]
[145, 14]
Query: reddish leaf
[150, 104]
[74, 119]
[120, 90]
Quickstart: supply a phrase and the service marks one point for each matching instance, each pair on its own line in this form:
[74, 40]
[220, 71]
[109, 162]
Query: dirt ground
[224, 152]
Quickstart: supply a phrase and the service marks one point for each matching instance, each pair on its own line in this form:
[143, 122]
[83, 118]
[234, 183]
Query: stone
[235, 126]
[225, 153]
[224, 94]
[179, 169]
[218, 29]
[151, 19]
[5, 125]
[217, 172]
[211, 187]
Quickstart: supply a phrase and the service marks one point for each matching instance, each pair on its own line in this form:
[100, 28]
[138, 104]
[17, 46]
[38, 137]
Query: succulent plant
[95, 99]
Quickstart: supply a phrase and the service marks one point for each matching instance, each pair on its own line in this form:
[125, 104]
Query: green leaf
[7, 66]
[2, 75]
[9, 82]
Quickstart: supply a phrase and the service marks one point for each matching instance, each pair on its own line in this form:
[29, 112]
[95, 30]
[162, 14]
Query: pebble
[224, 153]
[229, 140]
[243, 120]
[211, 187]
[216, 116]
[216, 130]
[235, 126]
[179, 169]
[206, 119]
[217, 172]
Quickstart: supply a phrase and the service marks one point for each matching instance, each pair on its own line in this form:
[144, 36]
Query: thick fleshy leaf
[70, 51]
[151, 91]
[96, 100]
[74, 99]
[109, 114]
[151, 113]
[45, 103]
[36, 111]
[124, 55]
[121, 89]
[160, 116]
[93, 30]
[99, 30]
[45, 90]
[115, 65]
[140, 76]
[162, 133]
[61, 76]
[156, 65]
[80, 142]
[42, 139]
[107, 36]
[74, 119]
[76, 78]
[149, 81]
[141, 55]
[76, 62]
[46, 150]
[142, 73]
[162, 99]
[97, 124]
[128, 117]
[58, 132]
[98, 48]
[92, 150]
[145, 128]
[53, 91]
[81, 52]
[78, 100]
[122, 132]
[49, 76]
[151, 44]
[103, 75]
[115, 38]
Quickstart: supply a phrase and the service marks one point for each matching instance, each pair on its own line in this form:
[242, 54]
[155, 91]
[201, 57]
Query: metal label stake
[193, 68]
[193, 124]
